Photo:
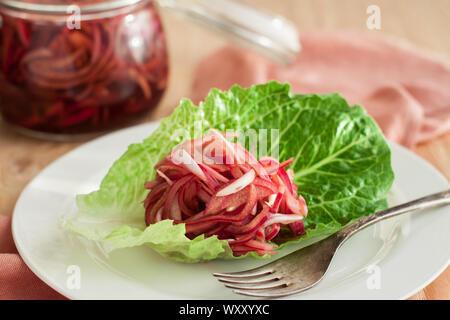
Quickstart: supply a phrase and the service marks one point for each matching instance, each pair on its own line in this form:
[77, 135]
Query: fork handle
[432, 200]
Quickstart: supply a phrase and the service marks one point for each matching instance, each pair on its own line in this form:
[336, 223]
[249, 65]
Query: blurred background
[423, 23]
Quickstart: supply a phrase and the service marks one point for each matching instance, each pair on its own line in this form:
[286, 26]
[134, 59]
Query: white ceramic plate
[390, 260]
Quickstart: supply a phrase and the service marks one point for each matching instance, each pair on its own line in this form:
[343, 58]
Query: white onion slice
[254, 210]
[238, 184]
[164, 177]
[282, 218]
[175, 212]
[158, 216]
[227, 144]
[272, 199]
[182, 157]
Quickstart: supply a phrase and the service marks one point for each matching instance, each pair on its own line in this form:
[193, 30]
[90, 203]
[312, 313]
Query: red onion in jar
[58, 81]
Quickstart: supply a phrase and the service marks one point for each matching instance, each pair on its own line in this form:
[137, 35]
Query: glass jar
[75, 70]
[80, 69]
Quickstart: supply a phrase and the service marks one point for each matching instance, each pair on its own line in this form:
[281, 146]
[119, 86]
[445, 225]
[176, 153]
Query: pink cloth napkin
[16, 280]
[405, 90]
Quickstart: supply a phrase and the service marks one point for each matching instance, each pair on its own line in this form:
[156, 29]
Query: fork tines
[253, 283]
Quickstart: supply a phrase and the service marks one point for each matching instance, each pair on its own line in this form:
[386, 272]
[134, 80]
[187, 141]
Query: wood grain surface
[425, 24]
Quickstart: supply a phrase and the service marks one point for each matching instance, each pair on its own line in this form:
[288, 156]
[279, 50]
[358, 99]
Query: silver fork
[304, 268]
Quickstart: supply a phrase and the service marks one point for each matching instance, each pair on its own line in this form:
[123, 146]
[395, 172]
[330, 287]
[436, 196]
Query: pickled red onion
[244, 204]
[237, 184]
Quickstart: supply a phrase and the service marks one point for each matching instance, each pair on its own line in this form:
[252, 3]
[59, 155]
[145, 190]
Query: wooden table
[424, 23]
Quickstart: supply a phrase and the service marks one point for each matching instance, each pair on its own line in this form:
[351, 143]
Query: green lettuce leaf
[341, 163]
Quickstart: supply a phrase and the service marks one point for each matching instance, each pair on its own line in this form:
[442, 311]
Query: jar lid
[63, 6]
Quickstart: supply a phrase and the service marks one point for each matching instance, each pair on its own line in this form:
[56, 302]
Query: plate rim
[55, 286]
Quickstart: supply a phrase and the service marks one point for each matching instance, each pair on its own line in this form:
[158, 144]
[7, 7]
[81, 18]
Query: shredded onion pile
[216, 187]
